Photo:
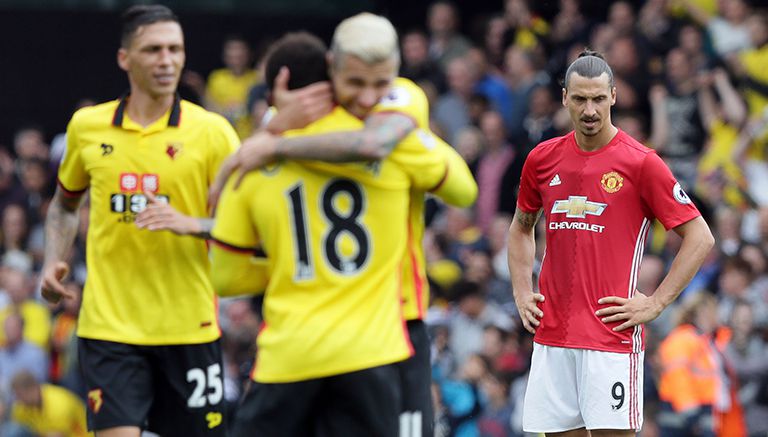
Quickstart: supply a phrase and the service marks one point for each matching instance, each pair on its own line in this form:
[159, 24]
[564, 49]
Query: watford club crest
[612, 182]
[95, 400]
[173, 150]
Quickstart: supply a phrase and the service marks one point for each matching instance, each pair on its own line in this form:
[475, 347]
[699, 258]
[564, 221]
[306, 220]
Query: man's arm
[697, 242]
[521, 252]
[160, 216]
[458, 187]
[375, 141]
[60, 230]
[707, 104]
[734, 107]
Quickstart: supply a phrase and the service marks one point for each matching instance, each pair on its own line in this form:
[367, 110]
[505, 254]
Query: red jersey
[598, 208]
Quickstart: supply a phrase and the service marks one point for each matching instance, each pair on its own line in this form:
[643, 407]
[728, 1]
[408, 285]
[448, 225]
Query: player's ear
[613, 95]
[565, 96]
[122, 59]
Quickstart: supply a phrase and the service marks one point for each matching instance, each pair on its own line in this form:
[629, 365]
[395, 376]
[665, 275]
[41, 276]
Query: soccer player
[147, 331]
[599, 190]
[300, 52]
[403, 100]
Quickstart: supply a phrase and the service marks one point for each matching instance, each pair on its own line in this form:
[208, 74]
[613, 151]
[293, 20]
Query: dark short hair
[303, 54]
[589, 64]
[141, 15]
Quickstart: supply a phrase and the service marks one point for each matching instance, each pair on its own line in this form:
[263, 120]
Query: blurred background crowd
[692, 83]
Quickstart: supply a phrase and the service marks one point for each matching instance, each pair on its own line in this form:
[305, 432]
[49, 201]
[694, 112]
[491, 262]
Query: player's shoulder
[95, 115]
[406, 84]
[255, 183]
[403, 92]
[193, 111]
[633, 146]
[194, 114]
[545, 148]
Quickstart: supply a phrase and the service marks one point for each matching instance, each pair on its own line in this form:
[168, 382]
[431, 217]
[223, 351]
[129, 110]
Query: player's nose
[590, 109]
[367, 98]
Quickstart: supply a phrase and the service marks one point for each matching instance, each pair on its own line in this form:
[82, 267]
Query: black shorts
[362, 403]
[174, 390]
[416, 417]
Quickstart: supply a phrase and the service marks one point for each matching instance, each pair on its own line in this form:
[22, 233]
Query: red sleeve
[663, 195]
[529, 197]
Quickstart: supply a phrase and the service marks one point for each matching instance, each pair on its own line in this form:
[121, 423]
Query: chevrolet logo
[578, 207]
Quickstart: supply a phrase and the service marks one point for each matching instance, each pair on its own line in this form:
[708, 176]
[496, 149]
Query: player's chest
[582, 187]
[159, 156]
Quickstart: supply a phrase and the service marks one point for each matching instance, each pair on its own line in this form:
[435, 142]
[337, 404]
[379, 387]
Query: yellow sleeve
[73, 177]
[458, 187]
[223, 141]
[235, 273]
[418, 157]
[233, 225]
[408, 99]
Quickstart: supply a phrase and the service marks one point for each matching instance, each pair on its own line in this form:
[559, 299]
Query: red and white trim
[637, 258]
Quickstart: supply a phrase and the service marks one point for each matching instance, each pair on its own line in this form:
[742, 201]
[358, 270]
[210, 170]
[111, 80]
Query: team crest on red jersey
[612, 182]
[95, 400]
[173, 149]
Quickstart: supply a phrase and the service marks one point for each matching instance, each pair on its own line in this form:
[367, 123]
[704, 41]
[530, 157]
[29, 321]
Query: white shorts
[579, 388]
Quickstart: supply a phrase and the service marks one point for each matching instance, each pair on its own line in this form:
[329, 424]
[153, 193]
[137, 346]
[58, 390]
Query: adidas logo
[555, 181]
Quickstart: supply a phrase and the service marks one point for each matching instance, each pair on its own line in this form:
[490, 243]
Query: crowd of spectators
[692, 83]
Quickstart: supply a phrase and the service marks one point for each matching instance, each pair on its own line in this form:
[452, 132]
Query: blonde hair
[369, 37]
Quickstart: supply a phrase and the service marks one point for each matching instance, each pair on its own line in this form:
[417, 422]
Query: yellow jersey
[334, 236]
[144, 287]
[229, 95]
[61, 413]
[717, 168]
[754, 61]
[678, 10]
[458, 188]
[37, 322]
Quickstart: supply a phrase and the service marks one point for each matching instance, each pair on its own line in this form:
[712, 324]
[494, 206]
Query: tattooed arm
[375, 141]
[60, 231]
[521, 251]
